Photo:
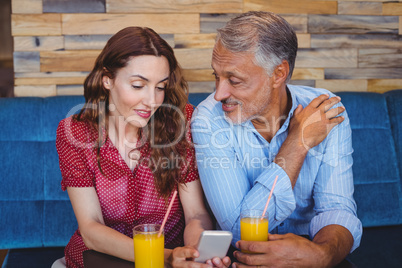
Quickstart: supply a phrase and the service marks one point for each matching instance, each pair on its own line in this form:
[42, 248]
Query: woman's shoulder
[80, 130]
[188, 110]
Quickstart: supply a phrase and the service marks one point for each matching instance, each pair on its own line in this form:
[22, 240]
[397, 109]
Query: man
[254, 128]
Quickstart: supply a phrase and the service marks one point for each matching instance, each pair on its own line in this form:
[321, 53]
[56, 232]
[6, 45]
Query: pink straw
[269, 198]
[167, 213]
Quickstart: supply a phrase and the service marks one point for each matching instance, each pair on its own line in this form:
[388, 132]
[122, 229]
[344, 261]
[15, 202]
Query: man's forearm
[336, 242]
[291, 158]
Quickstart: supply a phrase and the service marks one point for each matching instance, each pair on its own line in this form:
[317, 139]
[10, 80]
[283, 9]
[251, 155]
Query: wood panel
[380, 58]
[6, 47]
[199, 75]
[197, 58]
[343, 85]
[82, 42]
[383, 85]
[392, 8]
[346, 24]
[400, 25]
[365, 0]
[359, 8]
[84, 60]
[307, 74]
[77, 24]
[74, 6]
[98, 42]
[69, 90]
[174, 6]
[26, 61]
[194, 40]
[292, 6]
[299, 22]
[73, 60]
[38, 43]
[199, 87]
[304, 40]
[26, 6]
[35, 24]
[348, 44]
[357, 40]
[50, 74]
[35, 91]
[49, 81]
[326, 58]
[209, 23]
[363, 73]
[307, 83]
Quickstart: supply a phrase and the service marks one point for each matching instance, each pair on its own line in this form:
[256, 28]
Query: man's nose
[222, 91]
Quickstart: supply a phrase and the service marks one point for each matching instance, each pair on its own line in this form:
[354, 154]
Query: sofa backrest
[375, 166]
[394, 103]
[34, 211]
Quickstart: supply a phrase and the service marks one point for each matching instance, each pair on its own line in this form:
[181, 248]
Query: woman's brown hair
[167, 140]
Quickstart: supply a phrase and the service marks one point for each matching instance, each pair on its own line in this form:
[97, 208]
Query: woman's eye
[161, 88]
[136, 87]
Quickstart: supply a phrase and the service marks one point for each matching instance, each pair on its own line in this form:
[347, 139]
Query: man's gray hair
[270, 37]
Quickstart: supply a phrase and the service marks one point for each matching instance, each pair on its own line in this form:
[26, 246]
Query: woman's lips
[143, 113]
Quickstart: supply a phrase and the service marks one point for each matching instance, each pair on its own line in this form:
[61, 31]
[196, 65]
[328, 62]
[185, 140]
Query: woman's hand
[184, 257]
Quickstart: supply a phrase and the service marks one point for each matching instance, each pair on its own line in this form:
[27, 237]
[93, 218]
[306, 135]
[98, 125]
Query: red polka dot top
[127, 198]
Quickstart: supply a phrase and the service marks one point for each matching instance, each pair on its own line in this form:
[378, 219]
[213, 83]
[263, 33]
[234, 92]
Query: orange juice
[254, 229]
[148, 249]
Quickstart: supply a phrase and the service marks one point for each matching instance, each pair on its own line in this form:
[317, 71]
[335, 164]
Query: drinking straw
[269, 198]
[167, 213]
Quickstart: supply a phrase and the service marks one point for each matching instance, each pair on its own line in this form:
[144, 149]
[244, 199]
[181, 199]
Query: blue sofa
[37, 221]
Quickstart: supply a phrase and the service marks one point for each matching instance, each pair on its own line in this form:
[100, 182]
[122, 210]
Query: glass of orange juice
[253, 227]
[148, 247]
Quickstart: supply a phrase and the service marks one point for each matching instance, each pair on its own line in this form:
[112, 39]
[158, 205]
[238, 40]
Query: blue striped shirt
[237, 172]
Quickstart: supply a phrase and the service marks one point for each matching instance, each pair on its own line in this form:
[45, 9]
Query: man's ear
[107, 82]
[280, 74]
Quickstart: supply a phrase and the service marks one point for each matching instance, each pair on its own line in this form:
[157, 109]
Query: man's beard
[243, 114]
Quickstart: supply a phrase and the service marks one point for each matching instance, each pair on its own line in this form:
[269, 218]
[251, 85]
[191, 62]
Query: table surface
[94, 259]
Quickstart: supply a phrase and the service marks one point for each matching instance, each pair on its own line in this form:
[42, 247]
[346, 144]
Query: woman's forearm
[194, 228]
[104, 239]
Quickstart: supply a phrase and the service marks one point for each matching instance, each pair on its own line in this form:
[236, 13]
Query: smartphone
[212, 244]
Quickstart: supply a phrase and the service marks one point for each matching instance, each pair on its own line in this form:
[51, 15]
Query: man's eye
[233, 82]
[216, 76]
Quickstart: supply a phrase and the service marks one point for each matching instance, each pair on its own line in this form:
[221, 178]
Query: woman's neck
[124, 137]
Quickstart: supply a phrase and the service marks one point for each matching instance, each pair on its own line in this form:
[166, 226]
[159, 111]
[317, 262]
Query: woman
[128, 149]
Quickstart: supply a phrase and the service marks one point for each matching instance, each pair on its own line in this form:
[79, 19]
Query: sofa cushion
[22, 225]
[375, 167]
[32, 257]
[38, 212]
[20, 119]
[379, 247]
[196, 98]
[394, 101]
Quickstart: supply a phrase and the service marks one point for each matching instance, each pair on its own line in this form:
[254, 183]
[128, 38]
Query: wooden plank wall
[344, 45]
[6, 44]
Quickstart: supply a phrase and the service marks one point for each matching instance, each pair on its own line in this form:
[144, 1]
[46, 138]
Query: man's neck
[276, 116]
